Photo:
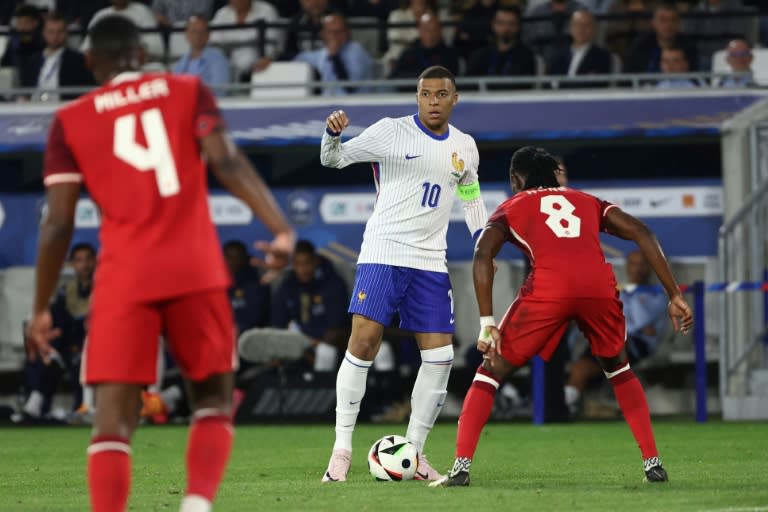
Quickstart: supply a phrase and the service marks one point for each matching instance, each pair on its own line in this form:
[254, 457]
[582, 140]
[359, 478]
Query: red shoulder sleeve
[59, 165]
[500, 219]
[604, 207]
[207, 116]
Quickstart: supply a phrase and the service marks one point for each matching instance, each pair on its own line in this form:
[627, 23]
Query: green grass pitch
[582, 466]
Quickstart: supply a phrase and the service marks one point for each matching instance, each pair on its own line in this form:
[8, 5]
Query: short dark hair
[27, 11]
[114, 36]
[236, 245]
[535, 166]
[82, 246]
[437, 72]
[304, 247]
[56, 17]
[510, 9]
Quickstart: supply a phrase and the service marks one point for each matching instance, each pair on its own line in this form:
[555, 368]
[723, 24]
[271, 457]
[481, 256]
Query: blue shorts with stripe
[424, 299]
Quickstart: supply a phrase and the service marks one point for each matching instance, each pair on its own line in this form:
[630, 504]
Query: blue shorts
[424, 299]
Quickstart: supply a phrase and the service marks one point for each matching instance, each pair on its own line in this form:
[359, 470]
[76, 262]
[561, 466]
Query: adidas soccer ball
[393, 458]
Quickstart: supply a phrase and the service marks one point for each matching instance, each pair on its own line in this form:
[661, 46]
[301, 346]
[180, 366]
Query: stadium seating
[759, 64]
[177, 43]
[368, 37]
[281, 73]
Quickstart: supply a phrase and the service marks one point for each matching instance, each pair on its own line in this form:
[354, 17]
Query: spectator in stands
[243, 44]
[374, 8]
[715, 30]
[674, 61]
[399, 38]
[508, 55]
[303, 32]
[285, 8]
[314, 298]
[209, 63]
[25, 39]
[340, 59]
[69, 311]
[168, 12]
[646, 315]
[584, 56]
[428, 50]
[81, 12]
[645, 54]
[739, 58]
[634, 20]
[142, 16]
[472, 33]
[547, 34]
[56, 65]
[250, 298]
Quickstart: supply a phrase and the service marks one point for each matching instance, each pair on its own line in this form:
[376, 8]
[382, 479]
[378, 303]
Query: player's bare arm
[623, 225]
[55, 235]
[237, 175]
[483, 270]
[337, 121]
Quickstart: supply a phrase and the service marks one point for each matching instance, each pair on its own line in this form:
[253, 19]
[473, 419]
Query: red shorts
[534, 326]
[123, 338]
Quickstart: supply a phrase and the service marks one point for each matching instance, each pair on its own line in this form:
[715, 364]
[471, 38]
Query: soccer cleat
[153, 408]
[460, 479]
[458, 476]
[338, 466]
[425, 471]
[654, 472]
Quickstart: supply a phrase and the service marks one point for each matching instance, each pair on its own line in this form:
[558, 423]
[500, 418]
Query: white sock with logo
[350, 389]
[429, 392]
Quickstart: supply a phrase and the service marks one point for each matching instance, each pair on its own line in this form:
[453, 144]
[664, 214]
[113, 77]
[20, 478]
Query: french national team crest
[458, 165]
[361, 295]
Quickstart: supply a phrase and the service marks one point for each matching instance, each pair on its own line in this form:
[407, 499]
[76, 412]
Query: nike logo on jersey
[411, 157]
[353, 403]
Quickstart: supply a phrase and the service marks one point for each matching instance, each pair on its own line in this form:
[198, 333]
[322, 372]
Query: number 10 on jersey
[431, 196]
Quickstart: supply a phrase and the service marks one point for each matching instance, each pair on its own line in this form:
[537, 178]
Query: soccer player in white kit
[420, 163]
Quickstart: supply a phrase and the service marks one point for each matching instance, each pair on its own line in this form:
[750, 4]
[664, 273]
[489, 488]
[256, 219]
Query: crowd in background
[505, 38]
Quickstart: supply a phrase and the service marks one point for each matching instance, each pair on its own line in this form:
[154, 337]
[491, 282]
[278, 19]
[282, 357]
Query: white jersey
[417, 174]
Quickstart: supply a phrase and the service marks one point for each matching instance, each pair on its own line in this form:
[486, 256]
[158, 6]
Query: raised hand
[337, 121]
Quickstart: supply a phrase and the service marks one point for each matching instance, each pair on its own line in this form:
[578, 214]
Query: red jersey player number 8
[559, 211]
[156, 156]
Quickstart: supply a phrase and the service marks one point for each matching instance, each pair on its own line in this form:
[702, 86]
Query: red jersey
[558, 229]
[134, 143]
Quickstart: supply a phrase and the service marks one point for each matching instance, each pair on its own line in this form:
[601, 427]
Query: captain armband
[468, 192]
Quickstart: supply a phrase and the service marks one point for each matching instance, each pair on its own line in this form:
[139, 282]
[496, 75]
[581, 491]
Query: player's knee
[364, 346]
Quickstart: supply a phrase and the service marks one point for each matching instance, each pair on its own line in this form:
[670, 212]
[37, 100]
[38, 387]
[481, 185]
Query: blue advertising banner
[492, 117]
[685, 217]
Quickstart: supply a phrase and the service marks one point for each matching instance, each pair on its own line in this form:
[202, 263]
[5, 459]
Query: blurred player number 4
[156, 156]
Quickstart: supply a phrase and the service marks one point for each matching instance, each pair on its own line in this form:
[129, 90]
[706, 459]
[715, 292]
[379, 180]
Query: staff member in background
[56, 65]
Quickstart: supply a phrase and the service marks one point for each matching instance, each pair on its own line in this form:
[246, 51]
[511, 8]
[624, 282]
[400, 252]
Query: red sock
[475, 412]
[208, 448]
[109, 473]
[631, 397]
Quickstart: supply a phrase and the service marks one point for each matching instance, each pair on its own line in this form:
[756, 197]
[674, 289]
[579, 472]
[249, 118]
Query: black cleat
[656, 474]
[460, 479]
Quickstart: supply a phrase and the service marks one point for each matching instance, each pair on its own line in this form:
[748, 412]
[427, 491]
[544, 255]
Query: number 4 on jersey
[560, 217]
[155, 157]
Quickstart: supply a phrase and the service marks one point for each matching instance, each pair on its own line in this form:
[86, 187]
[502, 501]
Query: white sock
[34, 404]
[326, 357]
[429, 393]
[195, 503]
[572, 396]
[170, 397]
[350, 389]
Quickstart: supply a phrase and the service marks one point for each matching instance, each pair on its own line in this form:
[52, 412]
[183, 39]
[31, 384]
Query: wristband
[485, 332]
[331, 132]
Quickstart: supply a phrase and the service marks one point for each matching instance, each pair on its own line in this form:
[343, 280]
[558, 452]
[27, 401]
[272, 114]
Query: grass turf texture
[583, 466]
